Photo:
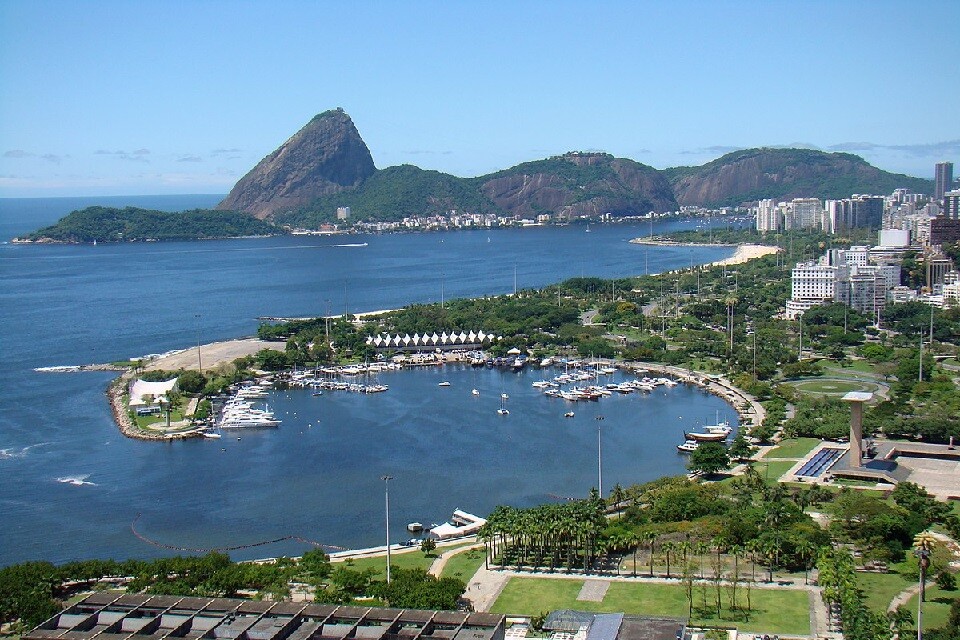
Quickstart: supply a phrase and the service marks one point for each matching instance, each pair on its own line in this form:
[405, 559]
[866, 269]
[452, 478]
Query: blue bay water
[317, 476]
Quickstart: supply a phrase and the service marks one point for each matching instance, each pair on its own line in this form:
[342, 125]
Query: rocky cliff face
[577, 184]
[783, 174]
[326, 156]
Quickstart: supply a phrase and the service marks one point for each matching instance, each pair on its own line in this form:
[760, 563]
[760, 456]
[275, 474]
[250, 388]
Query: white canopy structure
[453, 339]
[141, 388]
[464, 524]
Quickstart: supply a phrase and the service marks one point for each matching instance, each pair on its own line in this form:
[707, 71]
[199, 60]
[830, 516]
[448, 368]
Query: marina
[315, 475]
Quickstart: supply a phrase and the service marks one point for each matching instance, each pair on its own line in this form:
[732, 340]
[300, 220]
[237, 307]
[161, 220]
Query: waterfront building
[943, 180]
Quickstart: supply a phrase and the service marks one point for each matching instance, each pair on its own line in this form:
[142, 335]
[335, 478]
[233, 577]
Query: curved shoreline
[744, 252]
[748, 409]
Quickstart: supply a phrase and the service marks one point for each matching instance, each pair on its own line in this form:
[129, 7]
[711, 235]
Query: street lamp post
[923, 544]
[599, 459]
[199, 361]
[386, 494]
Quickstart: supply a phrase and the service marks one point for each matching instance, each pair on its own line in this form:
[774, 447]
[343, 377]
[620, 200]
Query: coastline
[744, 252]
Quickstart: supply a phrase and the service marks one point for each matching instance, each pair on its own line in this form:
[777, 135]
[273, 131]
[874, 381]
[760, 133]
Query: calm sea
[70, 485]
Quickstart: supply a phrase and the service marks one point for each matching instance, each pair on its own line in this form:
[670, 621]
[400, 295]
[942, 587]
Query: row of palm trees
[567, 534]
[572, 535]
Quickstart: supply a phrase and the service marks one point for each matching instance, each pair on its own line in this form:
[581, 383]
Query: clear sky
[139, 97]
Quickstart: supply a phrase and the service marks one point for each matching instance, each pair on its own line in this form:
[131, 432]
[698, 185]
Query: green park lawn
[794, 448]
[783, 611]
[407, 560]
[881, 588]
[771, 471]
[464, 564]
[415, 559]
[833, 386]
[936, 610]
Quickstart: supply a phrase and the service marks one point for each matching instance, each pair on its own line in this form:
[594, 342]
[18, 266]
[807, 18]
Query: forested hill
[392, 194]
[131, 224]
[751, 174]
[569, 186]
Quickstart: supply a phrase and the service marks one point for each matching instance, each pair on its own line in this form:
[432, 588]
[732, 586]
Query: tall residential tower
[943, 179]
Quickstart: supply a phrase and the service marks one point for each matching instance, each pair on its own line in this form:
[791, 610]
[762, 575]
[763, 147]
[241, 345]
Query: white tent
[141, 388]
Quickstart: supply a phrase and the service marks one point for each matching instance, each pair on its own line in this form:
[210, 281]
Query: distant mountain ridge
[752, 174]
[327, 165]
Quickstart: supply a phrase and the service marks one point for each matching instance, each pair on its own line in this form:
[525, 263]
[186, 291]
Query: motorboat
[444, 384]
[688, 446]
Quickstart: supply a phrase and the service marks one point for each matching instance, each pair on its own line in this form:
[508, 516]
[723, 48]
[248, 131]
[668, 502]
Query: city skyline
[119, 98]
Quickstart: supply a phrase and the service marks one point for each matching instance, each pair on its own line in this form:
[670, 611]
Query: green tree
[709, 458]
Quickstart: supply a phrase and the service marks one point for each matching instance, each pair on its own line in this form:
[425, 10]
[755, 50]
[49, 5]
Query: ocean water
[71, 486]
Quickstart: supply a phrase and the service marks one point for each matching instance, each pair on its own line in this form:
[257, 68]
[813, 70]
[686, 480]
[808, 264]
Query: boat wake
[355, 244]
[77, 481]
[11, 453]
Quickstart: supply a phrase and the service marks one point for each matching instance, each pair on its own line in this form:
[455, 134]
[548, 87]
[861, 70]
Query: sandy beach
[213, 354]
[745, 253]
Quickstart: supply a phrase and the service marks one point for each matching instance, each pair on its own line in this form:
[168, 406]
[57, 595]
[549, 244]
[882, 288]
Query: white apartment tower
[768, 216]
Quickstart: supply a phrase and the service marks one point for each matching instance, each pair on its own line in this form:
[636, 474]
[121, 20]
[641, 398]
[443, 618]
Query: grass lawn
[774, 610]
[794, 448]
[864, 366]
[880, 588]
[936, 610]
[771, 471]
[463, 565]
[411, 560]
[833, 387]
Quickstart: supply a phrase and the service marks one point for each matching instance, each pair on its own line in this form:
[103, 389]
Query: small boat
[444, 384]
[688, 446]
[413, 527]
[568, 414]
[212, 435]
[504, 396]
[503, 411]
[706, 437]
[475, 392]
[318, 393]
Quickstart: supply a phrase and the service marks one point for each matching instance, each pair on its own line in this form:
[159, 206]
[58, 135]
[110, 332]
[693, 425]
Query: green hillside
[392, 194]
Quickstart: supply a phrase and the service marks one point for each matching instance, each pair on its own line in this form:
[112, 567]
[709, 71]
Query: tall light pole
[199, 361]
[386, 494]
[599, 459]
[923, 544]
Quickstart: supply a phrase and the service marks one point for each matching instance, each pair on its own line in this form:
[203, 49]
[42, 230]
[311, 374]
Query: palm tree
[635, 540]
[651, 537]
[805, 550]
[701, 549]
[667, 547]
[618, 496]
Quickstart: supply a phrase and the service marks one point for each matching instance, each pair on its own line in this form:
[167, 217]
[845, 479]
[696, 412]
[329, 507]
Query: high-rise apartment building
[951, 204]
[943, 179]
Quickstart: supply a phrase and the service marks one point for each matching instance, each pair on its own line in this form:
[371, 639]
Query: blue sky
[138, 97]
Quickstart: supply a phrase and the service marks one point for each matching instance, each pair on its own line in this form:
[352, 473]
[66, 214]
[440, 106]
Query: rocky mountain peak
[325, 157]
